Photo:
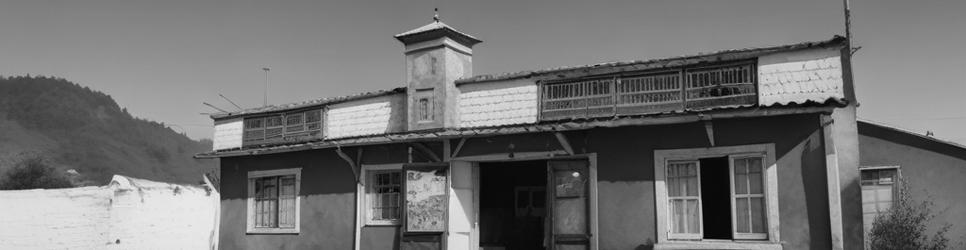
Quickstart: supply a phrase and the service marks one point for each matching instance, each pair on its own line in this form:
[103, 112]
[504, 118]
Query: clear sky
[162, 59]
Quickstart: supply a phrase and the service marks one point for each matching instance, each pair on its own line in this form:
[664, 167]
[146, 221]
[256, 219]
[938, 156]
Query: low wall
[129, 213]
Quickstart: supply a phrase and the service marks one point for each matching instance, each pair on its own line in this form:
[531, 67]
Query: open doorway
[512, 205]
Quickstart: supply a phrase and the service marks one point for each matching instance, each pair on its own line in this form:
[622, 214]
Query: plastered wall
[127, 214]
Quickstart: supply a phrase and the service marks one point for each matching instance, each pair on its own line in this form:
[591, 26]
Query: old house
[739, 149]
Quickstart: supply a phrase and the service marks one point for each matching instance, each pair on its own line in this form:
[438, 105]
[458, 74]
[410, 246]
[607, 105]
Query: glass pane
[287, 213]
[677, 216]
[288, 186]
[758, 215]
[741, 183]
[570, 216]
[755, 165]
[692, 185]
[886, 176]
[673, 186]
[692, 218]
[570, 183]
[539, 198]
[741, 214]
[870, 175]
[754, 183]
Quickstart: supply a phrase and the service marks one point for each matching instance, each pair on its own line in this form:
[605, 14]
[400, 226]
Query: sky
[162, 59]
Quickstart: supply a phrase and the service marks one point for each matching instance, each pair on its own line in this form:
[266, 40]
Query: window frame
[250, 206]
[770, 189]
[688, 236]
[734, 196]
[365, 209]
[895, 186]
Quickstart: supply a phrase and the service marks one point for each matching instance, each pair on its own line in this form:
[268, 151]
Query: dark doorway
[716, 198]
[513, 205]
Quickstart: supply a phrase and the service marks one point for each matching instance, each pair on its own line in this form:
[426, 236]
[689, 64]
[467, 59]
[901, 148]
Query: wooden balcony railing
[295, 126]
[648, 93]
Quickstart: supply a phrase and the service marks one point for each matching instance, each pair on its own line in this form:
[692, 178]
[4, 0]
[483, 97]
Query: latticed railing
[277, 128]
[649, 93]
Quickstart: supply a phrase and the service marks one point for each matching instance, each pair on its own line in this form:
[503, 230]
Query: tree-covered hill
[77, 128]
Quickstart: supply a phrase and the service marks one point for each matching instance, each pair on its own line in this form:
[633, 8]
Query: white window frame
[365, 210]
[895, 186]
[734, 196]
[665, 240]
[250, 206]
[687, 236]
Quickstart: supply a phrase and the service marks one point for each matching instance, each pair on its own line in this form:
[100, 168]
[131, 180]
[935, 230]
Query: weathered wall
[228, 134]
[932, 173]
[128, 214]
[327, 203]
[496, 104]
[626, 181]
[377, 115]
[800, 76]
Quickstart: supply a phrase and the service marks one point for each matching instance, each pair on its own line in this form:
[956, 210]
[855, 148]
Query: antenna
[213, 106]
[229, 100]
[266, 69]
[848, 24]
[436, 15]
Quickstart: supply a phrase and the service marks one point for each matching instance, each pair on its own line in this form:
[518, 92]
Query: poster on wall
[426, 197]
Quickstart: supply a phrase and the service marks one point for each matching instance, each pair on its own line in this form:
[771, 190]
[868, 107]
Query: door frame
[475, 161]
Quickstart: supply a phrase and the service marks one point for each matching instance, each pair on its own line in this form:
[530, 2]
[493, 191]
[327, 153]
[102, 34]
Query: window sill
[722, 244]
[273, 231]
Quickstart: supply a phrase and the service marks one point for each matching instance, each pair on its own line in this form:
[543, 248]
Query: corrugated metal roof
[306, 104]
[617, 67]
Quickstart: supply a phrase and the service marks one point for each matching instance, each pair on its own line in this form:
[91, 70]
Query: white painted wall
[127, 214]
[800, 76]
[498, 103]
[378, 115]
[228, 134]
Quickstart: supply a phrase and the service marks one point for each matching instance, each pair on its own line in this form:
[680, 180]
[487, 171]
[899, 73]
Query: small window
[424, 109]
[383, 194]
[878, 192]
[273, 201]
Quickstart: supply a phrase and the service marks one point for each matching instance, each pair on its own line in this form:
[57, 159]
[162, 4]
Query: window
[383, 194]
[878, 191]
[721, 193]
[424, 109]
[273, 201]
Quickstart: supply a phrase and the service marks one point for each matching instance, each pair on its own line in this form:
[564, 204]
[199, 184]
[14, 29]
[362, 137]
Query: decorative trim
[249, 215]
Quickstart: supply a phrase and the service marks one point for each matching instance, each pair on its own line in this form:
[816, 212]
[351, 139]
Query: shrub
[904, 225]
[33, 172]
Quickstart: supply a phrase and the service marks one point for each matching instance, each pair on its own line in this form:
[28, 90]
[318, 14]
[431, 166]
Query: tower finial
[436, 15]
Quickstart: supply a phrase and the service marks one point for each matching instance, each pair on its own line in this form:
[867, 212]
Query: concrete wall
[378, 115]
[327, 201]
[497, 104]
[128, 214]
[933, 173]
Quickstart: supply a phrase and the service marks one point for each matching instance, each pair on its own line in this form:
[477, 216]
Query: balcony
[649, 92]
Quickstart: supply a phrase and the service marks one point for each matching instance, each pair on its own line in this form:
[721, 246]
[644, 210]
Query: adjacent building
[740, 149]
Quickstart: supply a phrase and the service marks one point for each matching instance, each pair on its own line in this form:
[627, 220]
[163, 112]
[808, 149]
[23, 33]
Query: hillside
[82, 129]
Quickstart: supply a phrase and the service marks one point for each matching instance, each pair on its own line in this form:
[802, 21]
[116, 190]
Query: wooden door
[569, 201]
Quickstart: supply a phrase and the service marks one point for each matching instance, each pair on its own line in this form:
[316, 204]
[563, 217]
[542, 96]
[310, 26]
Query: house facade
[932, 168]
[739, 149]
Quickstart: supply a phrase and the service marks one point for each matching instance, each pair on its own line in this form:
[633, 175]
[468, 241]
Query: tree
[904, 225]
[33, 172]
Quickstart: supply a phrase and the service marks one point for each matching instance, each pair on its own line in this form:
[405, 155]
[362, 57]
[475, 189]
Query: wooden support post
[459, 146]
[352, 164]
[709, 129]
[564, 143]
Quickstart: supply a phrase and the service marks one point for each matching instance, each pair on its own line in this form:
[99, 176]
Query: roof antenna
[213, 106]
[229, 100]
[436, 15]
